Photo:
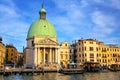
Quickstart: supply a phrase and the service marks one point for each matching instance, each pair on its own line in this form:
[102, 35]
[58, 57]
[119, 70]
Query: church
[43, 47]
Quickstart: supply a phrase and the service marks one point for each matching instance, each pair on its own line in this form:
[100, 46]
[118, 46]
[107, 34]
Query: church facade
[42, 44]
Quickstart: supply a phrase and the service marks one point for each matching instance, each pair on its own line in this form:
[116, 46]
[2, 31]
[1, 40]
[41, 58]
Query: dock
[25, 71]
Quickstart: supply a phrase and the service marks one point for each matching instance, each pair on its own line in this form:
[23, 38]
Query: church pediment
[47, 41]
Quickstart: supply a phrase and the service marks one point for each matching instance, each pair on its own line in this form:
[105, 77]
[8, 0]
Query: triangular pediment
[47, 41]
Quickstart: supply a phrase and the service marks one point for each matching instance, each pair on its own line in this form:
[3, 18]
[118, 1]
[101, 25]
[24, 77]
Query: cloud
[115, 3]
[103, 23]
[99, 1]
[13, 29]
[84, 3]
[76, 22]
[110, 3]
[71, 9]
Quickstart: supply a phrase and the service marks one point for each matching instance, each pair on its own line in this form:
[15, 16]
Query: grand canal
[58, 76]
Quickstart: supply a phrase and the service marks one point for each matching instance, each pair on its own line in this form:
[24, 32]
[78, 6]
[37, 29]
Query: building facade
[91, 50]
[11, 54]
[64, 54]
[87, 50]
[20, 59]
[2, 53]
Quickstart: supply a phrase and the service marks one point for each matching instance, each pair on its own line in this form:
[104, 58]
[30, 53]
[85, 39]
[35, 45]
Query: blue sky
[73, 19]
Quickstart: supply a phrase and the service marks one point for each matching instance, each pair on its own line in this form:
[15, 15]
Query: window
[70, 57]
[92, 60]
[11, 50]
[91, 48]
[97, 60]
[61, 56]
[96, 49]
[79, 49]
[32, 43]
[91, 42]
[91, 55]
[85, 55]
[11, 58]
[82, 55]
[82, 60]
[66, 56]
[97, 55]
[85, 48]
[100, 55]
[11, 54]
[107, 49]
[66, 45]
[79, 55]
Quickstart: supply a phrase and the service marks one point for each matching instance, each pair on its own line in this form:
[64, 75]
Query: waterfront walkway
[26, 71]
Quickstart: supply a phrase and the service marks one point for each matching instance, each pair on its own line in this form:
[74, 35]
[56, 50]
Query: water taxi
[72, 68]
[92, 67]
[114, 67]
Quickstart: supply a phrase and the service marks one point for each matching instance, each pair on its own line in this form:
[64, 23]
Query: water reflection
[57, 76]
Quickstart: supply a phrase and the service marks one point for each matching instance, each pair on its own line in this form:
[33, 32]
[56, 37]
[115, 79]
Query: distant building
[11, 54]
[64, 54]
[73, 52]
[2, 53]
[20, 59]
[91, 50]
[108, 54]
[20, 55]
[87, 50]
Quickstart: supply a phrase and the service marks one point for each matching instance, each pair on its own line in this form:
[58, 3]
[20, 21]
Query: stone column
[39, 54]
[35, 57]
[50, 56]
[56, 55]
[44, 55]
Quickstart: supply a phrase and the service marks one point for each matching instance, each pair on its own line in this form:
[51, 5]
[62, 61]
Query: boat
[72, 71]
[72, 68]
[92, 67]
[104, 69]
[114, 67]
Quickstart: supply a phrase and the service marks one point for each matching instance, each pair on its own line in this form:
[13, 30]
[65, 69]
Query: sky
[72, 19]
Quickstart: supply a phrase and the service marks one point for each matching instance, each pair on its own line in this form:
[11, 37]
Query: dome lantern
[42, 13]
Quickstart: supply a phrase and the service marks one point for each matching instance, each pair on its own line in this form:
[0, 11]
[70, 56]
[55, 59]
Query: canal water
[58, 76]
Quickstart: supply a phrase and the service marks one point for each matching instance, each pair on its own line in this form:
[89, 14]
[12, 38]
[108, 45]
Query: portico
[46, 55]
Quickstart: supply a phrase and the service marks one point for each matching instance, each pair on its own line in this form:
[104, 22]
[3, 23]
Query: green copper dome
[41, 27]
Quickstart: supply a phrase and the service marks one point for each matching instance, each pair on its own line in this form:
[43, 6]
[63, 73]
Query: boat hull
[72, 71]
